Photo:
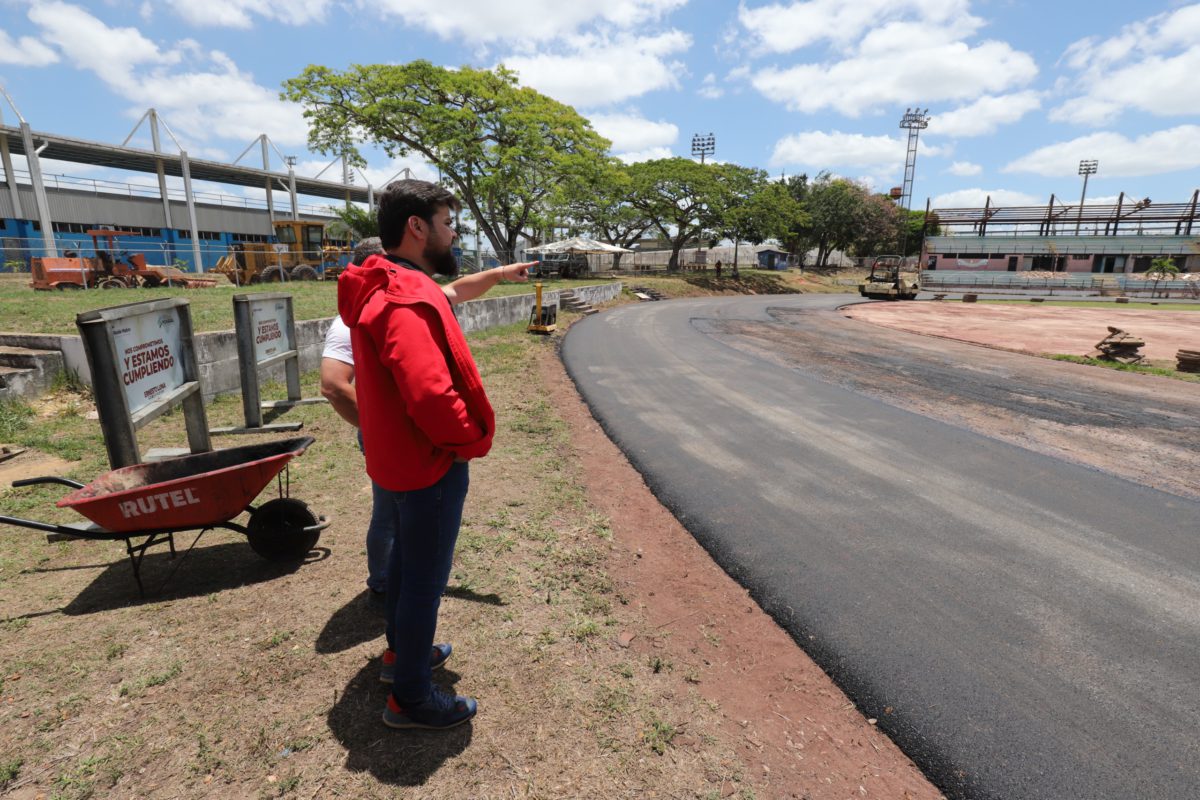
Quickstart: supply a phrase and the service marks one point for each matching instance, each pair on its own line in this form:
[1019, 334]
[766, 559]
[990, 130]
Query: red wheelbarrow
[203, 491]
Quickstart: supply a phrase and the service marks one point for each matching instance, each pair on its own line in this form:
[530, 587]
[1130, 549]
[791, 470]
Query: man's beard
[442, 261]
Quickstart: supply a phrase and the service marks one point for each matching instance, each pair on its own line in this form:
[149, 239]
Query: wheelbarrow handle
[320, 526]
[47, 479]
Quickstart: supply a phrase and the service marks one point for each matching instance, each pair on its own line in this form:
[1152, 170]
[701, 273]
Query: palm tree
[1162, 268]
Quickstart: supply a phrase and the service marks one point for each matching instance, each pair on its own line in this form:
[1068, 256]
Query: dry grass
[750, 281]
[244, 679]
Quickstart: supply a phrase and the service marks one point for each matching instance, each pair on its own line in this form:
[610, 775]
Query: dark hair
[366, 248]
[409, 198]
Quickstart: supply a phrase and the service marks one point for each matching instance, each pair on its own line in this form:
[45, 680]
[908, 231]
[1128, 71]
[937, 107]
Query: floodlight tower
[915, 120]
[703, 145]
[1086, 167]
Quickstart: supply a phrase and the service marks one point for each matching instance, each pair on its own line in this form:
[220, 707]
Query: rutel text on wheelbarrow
[148, 504]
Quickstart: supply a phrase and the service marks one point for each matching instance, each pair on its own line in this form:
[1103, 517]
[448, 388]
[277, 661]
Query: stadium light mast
[914, 120]
[1086, 167]
[703, 145]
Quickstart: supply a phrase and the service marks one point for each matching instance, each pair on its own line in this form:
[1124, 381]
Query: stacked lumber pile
[1188, 361]
[1120, 346]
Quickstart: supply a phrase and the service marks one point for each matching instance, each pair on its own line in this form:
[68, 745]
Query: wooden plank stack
[1120, 346]
[1188, 361]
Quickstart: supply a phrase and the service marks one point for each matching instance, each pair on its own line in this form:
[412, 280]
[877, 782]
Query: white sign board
[149, 351]
[272, 334]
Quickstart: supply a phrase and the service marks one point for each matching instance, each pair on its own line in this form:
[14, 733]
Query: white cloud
[1150, 65]
[594, 70]
[25, 52]
[976, 198]
[783, 28]
[1171, 150]
[239, 13]
[649, 154]
[895, 52]
[964, 169]
[822, 150]
[985, 115]
[114, 54]
[487, 21]
[709, 88]
[876, 77]
[630, 132]
[215, 101]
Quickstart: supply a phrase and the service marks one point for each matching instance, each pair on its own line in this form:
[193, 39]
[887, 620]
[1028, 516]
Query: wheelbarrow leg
[138, 551]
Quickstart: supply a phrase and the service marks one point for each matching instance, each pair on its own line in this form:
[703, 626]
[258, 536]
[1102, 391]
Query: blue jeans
[380, 532]
[426, 529]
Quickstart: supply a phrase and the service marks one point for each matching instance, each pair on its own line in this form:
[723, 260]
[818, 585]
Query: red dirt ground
[1037, 329]
[799, 736]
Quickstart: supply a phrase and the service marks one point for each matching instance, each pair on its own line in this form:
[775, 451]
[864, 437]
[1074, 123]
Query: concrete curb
[217, 350]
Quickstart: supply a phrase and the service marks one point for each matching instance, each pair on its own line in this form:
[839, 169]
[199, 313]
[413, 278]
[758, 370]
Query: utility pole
[703, 145]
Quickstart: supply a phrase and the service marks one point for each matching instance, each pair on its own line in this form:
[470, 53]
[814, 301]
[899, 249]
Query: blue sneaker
[439, 712]
[437, 660]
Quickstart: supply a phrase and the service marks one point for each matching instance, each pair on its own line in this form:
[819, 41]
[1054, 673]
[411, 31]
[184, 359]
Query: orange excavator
[109, 269]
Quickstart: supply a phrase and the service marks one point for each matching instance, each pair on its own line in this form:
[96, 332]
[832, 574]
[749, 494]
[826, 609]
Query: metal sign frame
[120, 423]
[249, 341]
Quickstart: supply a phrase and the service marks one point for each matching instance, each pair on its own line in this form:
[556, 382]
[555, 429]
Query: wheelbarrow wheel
[277, 529]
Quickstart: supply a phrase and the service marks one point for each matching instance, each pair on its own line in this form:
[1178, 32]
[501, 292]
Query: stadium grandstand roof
[83, 151]
[1128, 215]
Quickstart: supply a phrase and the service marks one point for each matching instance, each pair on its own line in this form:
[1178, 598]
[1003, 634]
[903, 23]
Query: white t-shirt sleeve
[337, 343]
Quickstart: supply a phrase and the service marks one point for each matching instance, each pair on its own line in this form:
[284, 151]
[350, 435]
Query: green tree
[602, 204]
[503, 148]
[1162, 268]
[879, 227]
[797, 239]
[835, 206]
[353, 222]
[680, 197]
[754, 208]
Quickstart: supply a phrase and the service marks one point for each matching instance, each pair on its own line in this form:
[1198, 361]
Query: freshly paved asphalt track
[1022, 627]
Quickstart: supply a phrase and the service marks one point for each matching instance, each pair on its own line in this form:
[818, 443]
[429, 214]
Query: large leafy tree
[880, 227]
[755, 209]
[835, 206]
[503, 148]
[682, 199]
[601, 203]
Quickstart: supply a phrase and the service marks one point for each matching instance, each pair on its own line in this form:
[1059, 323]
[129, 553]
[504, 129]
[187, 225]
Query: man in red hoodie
[423, 414]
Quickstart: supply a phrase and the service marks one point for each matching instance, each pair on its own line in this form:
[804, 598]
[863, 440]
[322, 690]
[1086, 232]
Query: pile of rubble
[1120, 346]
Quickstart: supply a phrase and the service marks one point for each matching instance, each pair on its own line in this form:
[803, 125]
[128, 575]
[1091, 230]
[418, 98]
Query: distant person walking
[424, 415]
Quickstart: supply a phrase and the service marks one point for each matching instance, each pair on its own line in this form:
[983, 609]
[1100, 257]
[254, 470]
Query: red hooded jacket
[421, 402]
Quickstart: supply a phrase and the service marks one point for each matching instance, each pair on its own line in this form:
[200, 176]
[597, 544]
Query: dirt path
[1034, 328]
[798, 734]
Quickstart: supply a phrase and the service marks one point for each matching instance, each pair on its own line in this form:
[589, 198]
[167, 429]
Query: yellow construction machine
[301, 252]
[888, 280]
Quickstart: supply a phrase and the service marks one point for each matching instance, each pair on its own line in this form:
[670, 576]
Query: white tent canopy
[577, 244]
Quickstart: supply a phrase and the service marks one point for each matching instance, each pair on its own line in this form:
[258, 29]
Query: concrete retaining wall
[217, 351]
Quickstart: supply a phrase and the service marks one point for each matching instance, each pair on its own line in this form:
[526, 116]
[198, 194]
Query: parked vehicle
[561, 265]
[888, 280]
[110, 268]
[302, 253]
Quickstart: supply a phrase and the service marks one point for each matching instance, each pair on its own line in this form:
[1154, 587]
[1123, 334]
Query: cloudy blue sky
[1018, 90]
